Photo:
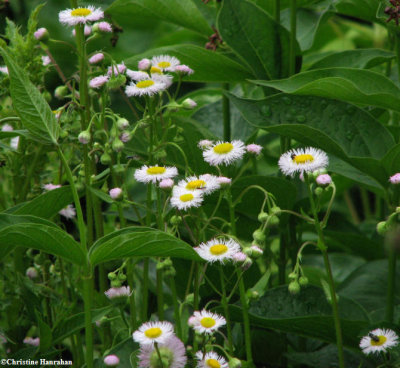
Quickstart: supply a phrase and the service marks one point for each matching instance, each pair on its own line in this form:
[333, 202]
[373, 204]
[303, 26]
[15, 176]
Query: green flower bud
[252, 295]
[170, 272]
[382, 228]
[275, 210]
[111, 276]
[175, 220]
[294, 288]
[259, 235]
[318, 191]
[122, 124]
[263, 217]
[121, 277]
[189, 104]
[60, 92]
[116, 283]
[292, 276]
[273, 220]
[234, 363]
[105, 159]
[47, 96]
[189, 299]
[116, 81]
[84, 137]
[117, 145]
[303, 281]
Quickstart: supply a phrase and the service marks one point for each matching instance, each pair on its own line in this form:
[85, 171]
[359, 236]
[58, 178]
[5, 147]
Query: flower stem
[322, 246]
[391, 286]
[159, 355]
[177, 316]
[226, 113]
[224, 303]
[277, 11]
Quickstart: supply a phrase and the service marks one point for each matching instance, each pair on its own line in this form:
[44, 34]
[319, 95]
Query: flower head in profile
[378, 340]
[149, 87]
[72, 17]
[183, 199]
[32, 341]
[151, 332]
[68, 212]
[206, 322]
[118, 292]
[96, 58]
[51, 186]
[98, 82]
[218, 250]
[224, 153]
[395, 179]
[153, 174]
[302, 160]
[111, 360]
[172, 352]
[183, 69]
[116, 69]
[205, 183]
[210, 360]
[165, 63]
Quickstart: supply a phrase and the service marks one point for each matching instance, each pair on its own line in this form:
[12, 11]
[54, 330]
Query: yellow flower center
[381, 340]
[213, 363]
[195, 184]
[155, 170]
[186, 197]
[153, 333]
[302, 159]
[164, 64]
[81, 12]
[207, 322]
[145, 83]
[223, 148]
[218, 249]
[154, 69]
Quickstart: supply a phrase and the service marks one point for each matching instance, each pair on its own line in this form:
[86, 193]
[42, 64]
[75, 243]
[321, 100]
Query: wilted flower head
[205, 143]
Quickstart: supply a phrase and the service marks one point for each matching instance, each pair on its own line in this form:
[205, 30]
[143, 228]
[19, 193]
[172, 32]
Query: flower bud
[273, 220]
[275, 210]
[111, 360]
[175, 220]
[96, 58]
[117, 145]
[115, 283]
[84, 137]
[166, 184]
[103, 27]
[105, 159]
[234, 363]
[294, 288]
[252, 295]
[189, 104]
[121, 277]
[292, 276]
[318, 191]
[41, 34]
[382, 228]
[60, 92]
[303, 281]
[263, 217]
[116, 194]
[395, 179]
[323, 180]
[32, 273]
[122, 124]
[189, 298]
[144, 64]
[256, 251]
[116, 81]
[111, 276]
[259, 236]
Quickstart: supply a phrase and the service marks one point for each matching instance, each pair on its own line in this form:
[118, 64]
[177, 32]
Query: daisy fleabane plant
[153, 332]
[219, 250]
[153, 174]
[224, 153]
[72, 17]
[210, 360]
[303, 160]
[378, 340]
[206, 322]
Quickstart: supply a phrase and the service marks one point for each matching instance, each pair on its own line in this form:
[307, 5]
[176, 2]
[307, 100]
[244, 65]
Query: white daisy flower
[167, 79]
[165, 62]
[172, 351]
[148, 87]
[206, 322]
[205, 183]
[378, 340]
[72, 17]
[210, 360]
[137, 75]
[147, 174]
[151, 332]
[218, 250]
[182, 199]
[224, 152]
[302, 160]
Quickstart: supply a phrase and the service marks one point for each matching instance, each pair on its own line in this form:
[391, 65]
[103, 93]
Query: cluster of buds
[296, 281]
[393, 11]
[167, 267]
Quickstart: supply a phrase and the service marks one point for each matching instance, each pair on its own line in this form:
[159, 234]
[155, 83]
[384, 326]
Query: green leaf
[360, 58]
[255, 37]
[45, 205]
[183, 13]
[138, 241]
[306, 314]
[41, 236]
[8, 220]
[358, 86]
[362, 9]
[75, 323]
[14, 133]
[338, 128]
[208, 66]
[45, 334]
[30, 105]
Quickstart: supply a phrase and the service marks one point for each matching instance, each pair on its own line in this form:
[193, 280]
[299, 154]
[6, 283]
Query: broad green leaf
[45, 205]
[44, 334]
[48, 238]
[362, 9]
[306, 314]
[358, 86]
[138, 241]
[208, 66]
[307, 24]
[338, 128]
[183, 13]
[14, 133]
[255, 37]
[360, 58]
[75, 323]
[30, 105]
[10, 219]
[368, 285]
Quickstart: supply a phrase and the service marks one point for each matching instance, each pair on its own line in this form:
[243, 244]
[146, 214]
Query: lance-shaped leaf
[30, 105]
[136, 241]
